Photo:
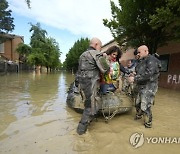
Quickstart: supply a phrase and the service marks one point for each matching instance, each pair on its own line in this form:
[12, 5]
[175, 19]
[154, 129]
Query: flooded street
[34, 118]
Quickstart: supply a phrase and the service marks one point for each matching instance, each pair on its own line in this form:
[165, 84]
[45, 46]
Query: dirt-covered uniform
[91, 64]
[147, 73]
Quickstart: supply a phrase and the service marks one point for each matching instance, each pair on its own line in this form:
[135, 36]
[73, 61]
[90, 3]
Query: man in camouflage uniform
[146, 78]
[91, 63]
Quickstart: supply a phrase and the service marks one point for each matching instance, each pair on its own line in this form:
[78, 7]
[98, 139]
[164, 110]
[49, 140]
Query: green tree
[168, 17]
[24, 51]
[132, 24]
[38, 40]
[44, 51]
[51, 53]
[72, 57]
[36, 57]
[38, 37]
[6, 21]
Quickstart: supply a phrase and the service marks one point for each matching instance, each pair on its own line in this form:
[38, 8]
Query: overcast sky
[65, 20]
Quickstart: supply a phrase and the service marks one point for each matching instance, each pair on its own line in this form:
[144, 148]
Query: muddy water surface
[34, 118]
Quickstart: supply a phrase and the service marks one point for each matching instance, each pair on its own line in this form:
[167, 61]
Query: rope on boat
[109, 116]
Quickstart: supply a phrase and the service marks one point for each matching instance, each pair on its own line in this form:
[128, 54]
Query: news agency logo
[138, 139]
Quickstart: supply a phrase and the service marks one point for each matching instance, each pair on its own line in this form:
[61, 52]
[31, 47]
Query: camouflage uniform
[128, 87]
[147, 73]
[91, 63]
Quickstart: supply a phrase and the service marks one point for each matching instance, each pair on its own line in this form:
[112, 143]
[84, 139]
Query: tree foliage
[24, 50]
[72, 58]
[137, 22]
[38, 40]
[51, 53]
[6, 21]
[38, 37]
[168, 17]
[28, 3]
[43, 50]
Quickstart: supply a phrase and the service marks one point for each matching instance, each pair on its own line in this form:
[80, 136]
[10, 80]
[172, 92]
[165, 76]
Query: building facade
[9, 58]
[8, 48]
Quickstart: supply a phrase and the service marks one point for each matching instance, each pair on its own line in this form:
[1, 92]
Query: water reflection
[29, 94]
[43, 91]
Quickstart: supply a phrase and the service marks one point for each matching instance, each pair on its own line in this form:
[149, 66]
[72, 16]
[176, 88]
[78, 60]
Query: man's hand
[130, 79]
[104, 54]
[132, 74]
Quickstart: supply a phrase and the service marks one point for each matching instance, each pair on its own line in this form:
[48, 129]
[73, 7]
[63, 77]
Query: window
[2, 48]
[164, 62]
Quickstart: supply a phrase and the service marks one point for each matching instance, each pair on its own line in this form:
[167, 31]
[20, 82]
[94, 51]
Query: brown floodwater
[34, 118]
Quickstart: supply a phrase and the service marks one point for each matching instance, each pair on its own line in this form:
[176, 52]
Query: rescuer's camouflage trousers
[89, 88]
[144, 101]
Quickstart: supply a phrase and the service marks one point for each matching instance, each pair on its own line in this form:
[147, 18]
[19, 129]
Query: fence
[13, 67]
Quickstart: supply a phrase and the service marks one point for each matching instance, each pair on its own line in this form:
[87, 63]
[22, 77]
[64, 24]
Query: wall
[10, 48]
[15, 43]
[171, 78]
[109, 44]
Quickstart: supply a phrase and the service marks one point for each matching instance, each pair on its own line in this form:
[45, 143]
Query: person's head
[129, 63]
[136, 54]
[96, 43]
[114, 53]
[143, 51]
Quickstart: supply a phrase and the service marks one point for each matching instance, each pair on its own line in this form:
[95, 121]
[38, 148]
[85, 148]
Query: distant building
[8, 48]
[170, 60]
[109, 44]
